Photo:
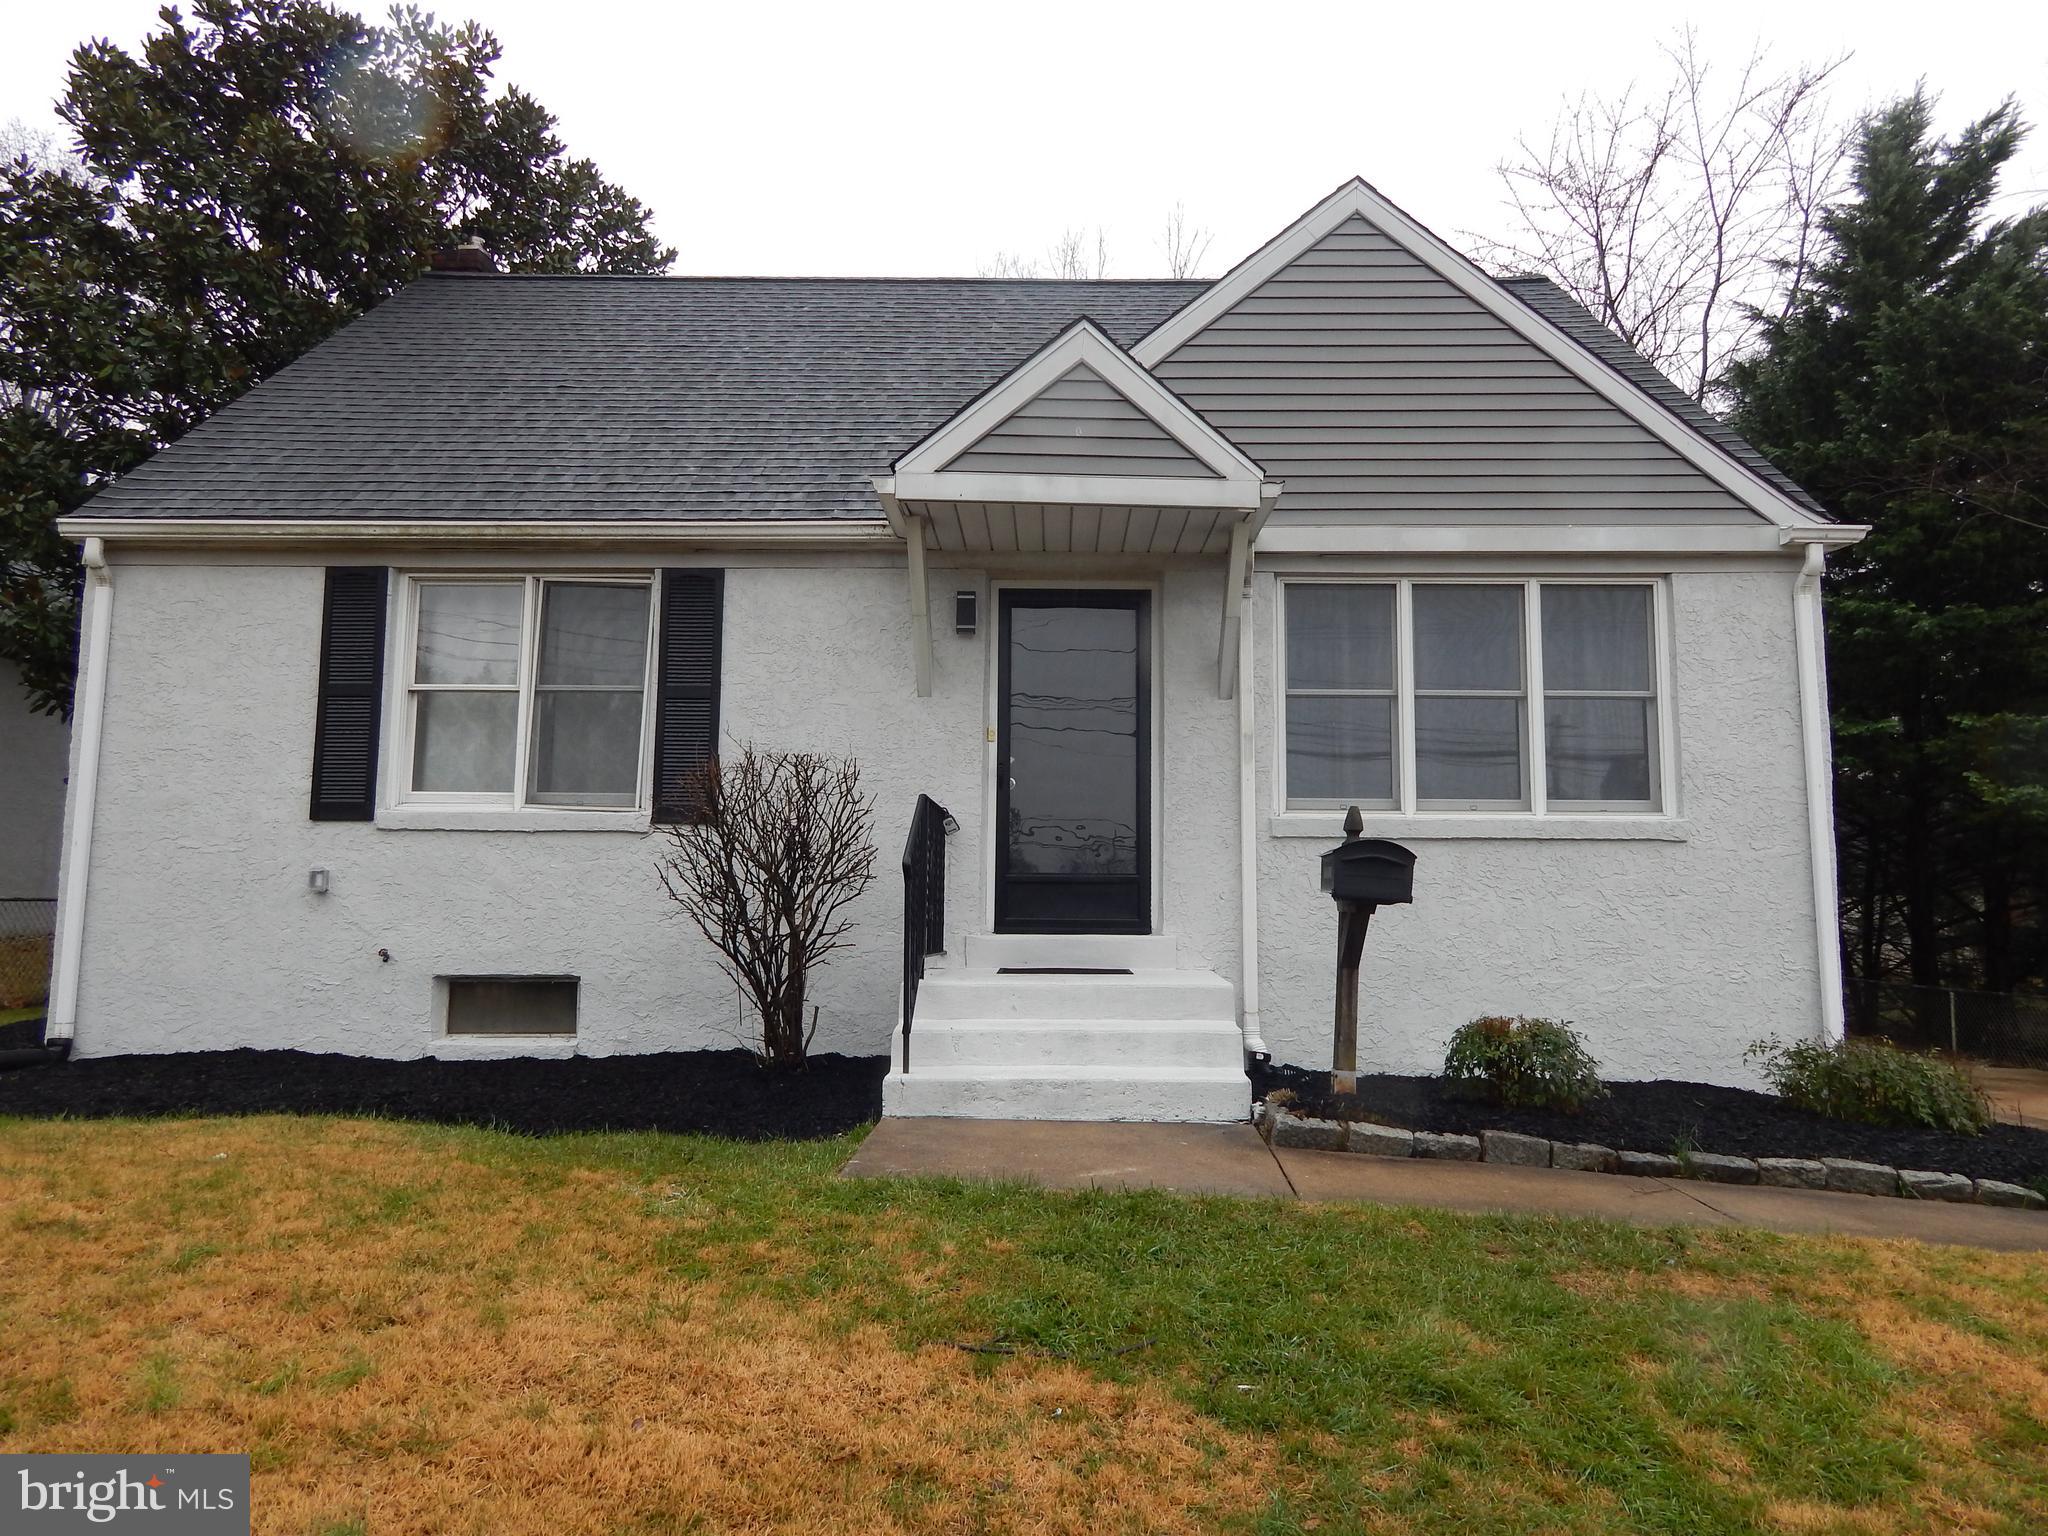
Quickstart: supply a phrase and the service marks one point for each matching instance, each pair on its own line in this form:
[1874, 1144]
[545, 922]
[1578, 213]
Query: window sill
[446, 818]
[1328, 826]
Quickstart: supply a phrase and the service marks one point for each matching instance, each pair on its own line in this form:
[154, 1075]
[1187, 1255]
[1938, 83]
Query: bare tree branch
[1185, 246]
[1681, 215]
[1003, 264]
[1072, 258]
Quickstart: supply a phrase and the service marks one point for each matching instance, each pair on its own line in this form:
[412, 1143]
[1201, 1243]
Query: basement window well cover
[511, 1005]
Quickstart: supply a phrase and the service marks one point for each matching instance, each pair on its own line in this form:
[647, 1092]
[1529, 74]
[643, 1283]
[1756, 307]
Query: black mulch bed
[722, 1093]
[25, 1032]
[1657, 1116]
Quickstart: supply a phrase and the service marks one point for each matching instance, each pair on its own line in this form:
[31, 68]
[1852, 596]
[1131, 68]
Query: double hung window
[527, 691]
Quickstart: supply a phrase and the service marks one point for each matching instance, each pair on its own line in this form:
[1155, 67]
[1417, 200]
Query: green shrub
[1525, 1063]
[1876, 1082]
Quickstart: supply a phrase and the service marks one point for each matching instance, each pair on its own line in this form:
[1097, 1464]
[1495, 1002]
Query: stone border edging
[1842, 1174]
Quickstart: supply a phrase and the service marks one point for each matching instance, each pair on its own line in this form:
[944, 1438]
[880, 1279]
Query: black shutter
[686, 686]
[351, 694]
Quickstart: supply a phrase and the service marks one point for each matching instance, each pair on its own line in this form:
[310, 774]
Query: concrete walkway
[1233, 1160]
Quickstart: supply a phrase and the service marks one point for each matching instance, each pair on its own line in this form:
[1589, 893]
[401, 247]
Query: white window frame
[400, 793]
[1535, 772]
[1400, 692]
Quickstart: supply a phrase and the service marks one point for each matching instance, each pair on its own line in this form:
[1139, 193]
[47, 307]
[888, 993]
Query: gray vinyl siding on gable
[1080, 425]
[1376, 390]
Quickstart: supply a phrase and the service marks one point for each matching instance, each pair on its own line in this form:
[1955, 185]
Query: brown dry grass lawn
[419, 1330]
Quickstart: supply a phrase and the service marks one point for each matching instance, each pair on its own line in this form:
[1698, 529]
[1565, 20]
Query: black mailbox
[1370, 870]
[1361, 874]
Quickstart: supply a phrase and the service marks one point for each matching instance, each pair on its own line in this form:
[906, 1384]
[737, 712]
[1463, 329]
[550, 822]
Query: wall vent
[508, 1005]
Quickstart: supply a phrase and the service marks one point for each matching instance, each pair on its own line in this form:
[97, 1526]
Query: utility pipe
[1248, 826]
[1820, 794]
[85, 778]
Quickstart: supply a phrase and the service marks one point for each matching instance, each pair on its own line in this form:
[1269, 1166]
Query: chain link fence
[27, 927]
[2007, 1029]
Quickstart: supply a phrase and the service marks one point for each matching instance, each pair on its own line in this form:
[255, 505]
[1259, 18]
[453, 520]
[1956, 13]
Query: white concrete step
[1134, 1044]
[1198, 1095]
[1163, 994]
[1133, 951]
[1157, 1043]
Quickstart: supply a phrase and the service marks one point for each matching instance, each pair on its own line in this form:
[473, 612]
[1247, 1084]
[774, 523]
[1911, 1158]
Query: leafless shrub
[1678, 214]
[781, 848]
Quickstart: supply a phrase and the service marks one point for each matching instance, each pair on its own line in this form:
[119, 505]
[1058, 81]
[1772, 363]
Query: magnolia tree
[777, 850]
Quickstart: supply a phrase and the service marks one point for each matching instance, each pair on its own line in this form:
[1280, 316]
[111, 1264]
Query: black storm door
[1073, 749]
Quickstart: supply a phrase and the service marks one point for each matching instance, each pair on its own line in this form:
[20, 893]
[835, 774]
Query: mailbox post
[1361, 874]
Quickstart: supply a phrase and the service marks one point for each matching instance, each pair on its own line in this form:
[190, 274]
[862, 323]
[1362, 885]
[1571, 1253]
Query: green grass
[1406, 1370]
[22, 1015]
[1507, 1344]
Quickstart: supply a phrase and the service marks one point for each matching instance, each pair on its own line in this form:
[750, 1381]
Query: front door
[1073, 744]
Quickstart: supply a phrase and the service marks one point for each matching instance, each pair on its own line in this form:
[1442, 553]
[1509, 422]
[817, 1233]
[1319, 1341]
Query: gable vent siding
[1379, 392]
[688, 665]
[350, 701]
[1080, 425]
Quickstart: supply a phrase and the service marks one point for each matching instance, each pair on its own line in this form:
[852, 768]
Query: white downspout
[86, 716]
[1247, 821]
[1820, 784]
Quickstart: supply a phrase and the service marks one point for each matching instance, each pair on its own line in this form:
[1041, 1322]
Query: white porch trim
[1077, 490]
[1081, 344]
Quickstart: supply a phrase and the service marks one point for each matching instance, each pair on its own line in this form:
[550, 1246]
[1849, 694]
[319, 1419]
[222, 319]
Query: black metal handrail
[924, 900]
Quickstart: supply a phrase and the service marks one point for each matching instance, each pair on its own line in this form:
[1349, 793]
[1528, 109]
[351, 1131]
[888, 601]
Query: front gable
[1079, 409]
[1385, 379]
[1079, 424]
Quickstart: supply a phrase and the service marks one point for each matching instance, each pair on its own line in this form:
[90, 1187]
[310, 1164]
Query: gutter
[85, 778]
[427, 533]
[1820, 779]
[1248, 829]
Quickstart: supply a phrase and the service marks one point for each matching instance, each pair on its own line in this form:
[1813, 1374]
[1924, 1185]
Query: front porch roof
[1077, 447]
[1079, 451]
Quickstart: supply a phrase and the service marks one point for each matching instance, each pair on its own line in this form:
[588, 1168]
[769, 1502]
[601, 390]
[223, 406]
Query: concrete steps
[1128, 951]
[1160, 1043]
[1201, 1095]
[1073, 1042]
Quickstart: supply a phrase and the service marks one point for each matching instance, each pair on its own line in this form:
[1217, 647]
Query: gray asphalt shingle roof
[619, 397]
[577, 398]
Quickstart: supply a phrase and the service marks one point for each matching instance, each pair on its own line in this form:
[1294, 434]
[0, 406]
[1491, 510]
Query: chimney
[470, 256]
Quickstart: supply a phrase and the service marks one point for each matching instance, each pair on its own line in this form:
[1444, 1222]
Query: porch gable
[1080, 424]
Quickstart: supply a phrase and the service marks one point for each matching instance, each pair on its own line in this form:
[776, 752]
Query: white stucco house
[1138, 584]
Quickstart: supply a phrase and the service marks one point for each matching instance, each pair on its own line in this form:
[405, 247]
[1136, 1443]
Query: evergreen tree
[1907, 388]
[252, 179]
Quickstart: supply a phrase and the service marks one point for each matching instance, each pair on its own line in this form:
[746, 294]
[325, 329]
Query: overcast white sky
[895, 138]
